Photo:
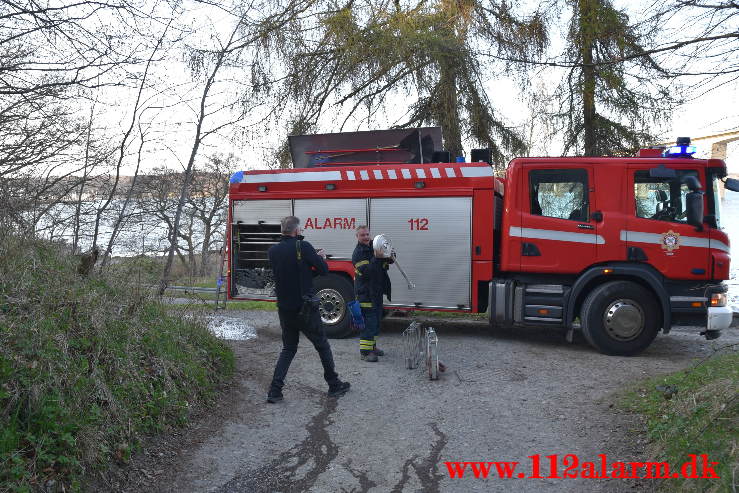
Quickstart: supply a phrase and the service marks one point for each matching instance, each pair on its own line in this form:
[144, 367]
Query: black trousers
[291, 325]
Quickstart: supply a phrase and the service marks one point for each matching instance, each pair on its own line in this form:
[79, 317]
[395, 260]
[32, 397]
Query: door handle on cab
[597, 216]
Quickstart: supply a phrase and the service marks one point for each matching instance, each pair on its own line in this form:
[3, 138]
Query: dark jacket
[284, 260]
[370, 275]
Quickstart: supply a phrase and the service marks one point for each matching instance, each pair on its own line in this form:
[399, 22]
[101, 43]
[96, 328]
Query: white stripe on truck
[552, 234]
[687, 241]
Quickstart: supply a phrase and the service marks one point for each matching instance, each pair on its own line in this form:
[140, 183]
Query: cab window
[560, 193]
[661, 199]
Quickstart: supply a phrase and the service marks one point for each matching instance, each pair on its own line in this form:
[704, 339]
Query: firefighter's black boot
[378, 352]
[338, 389]
[370, 356]
[366, 347]
[274, 396]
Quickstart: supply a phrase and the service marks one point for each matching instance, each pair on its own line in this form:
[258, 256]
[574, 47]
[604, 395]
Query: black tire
[334, 292]
[584, 332]
[625, 335]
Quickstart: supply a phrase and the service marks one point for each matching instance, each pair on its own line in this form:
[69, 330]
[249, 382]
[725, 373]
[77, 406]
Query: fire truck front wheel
[620, 318]
[334, 292]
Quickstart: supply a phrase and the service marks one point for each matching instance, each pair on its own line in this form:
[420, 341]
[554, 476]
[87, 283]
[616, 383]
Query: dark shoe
[370, 356]
[339, 389]
[274, 398]
[379, 352]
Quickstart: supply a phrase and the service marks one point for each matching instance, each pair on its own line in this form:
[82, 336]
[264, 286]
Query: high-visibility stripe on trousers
[366, 344]
[372, 318]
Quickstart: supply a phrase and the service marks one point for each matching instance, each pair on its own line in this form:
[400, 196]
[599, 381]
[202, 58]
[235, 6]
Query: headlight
[718, 299]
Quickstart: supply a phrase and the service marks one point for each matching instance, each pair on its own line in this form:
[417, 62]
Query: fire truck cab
[617, 247]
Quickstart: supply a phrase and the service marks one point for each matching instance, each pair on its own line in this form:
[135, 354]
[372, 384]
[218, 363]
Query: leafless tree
[700, 43]
[158, 199]
[122, 154]
[207, 203]
[53, 56]
[210, 62]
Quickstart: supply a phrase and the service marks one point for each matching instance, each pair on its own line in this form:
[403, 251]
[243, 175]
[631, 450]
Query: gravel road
[504, 397]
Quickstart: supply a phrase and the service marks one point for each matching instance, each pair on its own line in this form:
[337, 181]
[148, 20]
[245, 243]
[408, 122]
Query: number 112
[420, 224]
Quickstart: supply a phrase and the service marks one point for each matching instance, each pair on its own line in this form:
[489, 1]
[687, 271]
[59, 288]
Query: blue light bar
[237, 177]
[680, 151]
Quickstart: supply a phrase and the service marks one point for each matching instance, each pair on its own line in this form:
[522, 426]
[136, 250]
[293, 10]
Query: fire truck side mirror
[692, 183]
[731, 184]
[694, 209]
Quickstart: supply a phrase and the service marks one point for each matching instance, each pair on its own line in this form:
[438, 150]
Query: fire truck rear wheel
[334, 292]
[620, 318]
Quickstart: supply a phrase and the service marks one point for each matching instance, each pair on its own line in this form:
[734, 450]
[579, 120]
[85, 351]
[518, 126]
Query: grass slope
[87, 366]
[702, 417]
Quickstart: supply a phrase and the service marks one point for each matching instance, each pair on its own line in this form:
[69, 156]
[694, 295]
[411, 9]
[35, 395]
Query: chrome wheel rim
[332, 306]
[624, 320]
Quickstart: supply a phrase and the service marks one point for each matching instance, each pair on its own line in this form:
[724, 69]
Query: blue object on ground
[356, 311]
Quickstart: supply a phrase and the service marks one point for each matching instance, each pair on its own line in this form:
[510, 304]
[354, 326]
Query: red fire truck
[615, 247]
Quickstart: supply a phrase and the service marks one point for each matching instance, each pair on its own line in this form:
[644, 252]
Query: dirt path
[504, 398]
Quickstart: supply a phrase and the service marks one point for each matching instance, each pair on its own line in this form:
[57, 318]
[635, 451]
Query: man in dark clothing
[371, 282]
[293, 261]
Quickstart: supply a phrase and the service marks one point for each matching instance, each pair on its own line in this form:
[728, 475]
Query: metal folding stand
[421, 344]
[432, 353]
[412, 345]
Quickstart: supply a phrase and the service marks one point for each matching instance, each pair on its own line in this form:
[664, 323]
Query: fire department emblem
[670, 241]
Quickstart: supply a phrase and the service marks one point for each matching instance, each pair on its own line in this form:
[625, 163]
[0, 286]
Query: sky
[171, 130]
[714, 113]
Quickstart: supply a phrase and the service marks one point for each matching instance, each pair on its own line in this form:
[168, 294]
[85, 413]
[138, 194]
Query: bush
[88, 365]
[141, 269]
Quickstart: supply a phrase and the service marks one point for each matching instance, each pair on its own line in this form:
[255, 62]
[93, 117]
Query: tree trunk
[184, 192]
[78, 207]
[204, 251]
[121, 215]
[448, 107]
[587, 17]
